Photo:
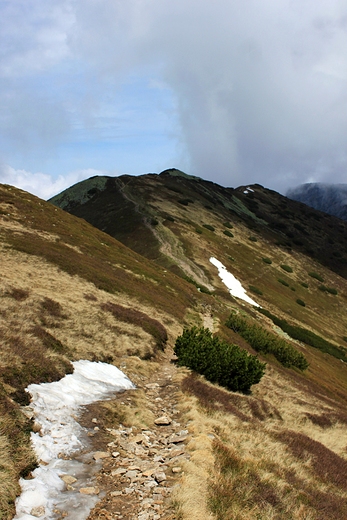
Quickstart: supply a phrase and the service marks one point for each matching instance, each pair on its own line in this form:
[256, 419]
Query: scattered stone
[176, 469]
[175, 439]
[95, 421]
[152, 386]
[162, 421]
[131, 474]
[118, 471]
[68, 479]
[101, 455]
[160, 476]
[93, 490]
[115, 454]
[38, 511]
[116, 493]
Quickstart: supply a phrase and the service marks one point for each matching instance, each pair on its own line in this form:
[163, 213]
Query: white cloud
[42, 184]
[258, 88]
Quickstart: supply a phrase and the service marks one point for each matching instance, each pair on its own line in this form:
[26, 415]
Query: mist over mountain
[330, 198]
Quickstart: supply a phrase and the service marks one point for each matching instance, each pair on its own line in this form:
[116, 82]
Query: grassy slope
[57, 275]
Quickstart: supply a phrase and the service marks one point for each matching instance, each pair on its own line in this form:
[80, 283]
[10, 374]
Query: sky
[233, 91]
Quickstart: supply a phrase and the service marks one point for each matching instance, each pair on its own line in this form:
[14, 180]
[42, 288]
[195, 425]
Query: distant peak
[174, 172]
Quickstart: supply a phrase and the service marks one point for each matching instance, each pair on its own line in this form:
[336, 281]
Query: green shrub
[199, 231]
[267, 260]
[286, 268]
[217, 360]
[170, 218]
[228, 225]
[293, 289]
[283, 282]
[228, 233]
[184, 202]
[304, 285]
[316, 276]
[253, 239]
[255, 290]
[301, 302]
[306, 336]
[207, 226]
[263, 341]
[330, 290]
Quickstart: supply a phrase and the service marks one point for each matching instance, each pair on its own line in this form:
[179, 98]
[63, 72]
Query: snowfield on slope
[55, 407]
[234, 286]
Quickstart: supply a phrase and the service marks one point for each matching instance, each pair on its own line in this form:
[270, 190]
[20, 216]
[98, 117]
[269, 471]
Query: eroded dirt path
[141, 466]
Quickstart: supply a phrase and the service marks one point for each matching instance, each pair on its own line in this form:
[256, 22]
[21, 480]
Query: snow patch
[234, 286]
[55, 407]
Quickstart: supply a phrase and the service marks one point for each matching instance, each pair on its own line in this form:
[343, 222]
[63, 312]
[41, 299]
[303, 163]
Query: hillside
[70, 291]
[330, 198]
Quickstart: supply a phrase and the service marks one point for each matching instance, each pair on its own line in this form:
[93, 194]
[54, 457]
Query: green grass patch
[264, 341]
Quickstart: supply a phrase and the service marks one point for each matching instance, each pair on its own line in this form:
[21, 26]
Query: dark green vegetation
[306, 336]
[316, 276]
[219, 361]
[266, 342]
[301, 302]
[286, 268]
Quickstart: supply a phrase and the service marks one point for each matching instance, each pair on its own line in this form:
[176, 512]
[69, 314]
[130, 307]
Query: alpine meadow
[223, 308]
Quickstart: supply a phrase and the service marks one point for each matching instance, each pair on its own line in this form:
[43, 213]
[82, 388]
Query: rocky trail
[140, 466]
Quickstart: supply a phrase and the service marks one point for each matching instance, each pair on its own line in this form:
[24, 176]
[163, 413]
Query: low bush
[199, 231]
[306, 336]
[184, 202]
[255, 290]
[329, 290]
[264, 341]
[301, 302]
[228, 225]
[228, 233]
[253, 239]
[207, 226]
[267, 260]
[283, 282]
[304, 285]
[316, 276]
[286, 268]
[217, 360]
